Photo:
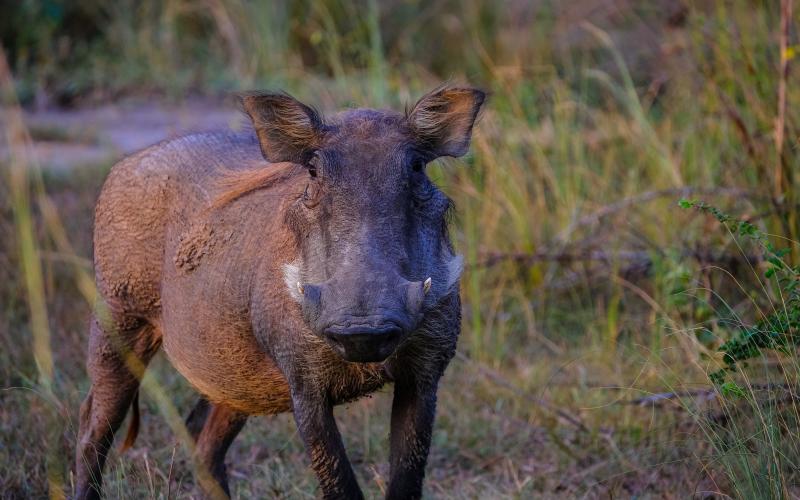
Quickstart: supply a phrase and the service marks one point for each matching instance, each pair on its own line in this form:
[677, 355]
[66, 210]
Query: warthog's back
[141, 196]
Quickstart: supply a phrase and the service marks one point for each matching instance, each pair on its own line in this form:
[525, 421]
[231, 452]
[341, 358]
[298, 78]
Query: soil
[66, 139]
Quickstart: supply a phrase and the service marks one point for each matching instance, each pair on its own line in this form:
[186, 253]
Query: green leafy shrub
[777, 330]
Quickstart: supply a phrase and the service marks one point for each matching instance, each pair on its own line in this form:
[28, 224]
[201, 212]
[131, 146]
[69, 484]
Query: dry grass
[534, 423]
[592, 133]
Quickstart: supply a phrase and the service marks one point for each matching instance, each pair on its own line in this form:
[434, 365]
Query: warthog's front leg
[413, 411]
[314, 417]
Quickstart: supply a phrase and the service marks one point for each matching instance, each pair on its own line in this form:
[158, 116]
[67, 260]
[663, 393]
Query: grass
[586, 286]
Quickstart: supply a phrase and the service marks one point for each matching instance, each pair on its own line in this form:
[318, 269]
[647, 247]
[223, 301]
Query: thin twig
[169, 474]
[541, 402]
[639, 259]
[648, 196]
[741, 128]
[660, 397]
[706, 394]
[780, 119]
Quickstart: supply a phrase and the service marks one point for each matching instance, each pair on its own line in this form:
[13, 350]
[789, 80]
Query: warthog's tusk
[300, 288]
[426, 287]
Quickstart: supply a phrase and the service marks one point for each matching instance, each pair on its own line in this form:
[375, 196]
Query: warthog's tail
[194, 422]
[133, 428]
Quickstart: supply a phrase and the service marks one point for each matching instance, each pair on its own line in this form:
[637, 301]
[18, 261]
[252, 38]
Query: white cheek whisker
[291, 276]
[454, 269]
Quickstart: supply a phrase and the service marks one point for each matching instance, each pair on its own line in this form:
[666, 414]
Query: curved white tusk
[300, 288]
[426, 286]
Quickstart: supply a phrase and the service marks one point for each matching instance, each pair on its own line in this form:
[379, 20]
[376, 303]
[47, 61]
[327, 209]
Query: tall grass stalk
[25, 183]
[28, 251]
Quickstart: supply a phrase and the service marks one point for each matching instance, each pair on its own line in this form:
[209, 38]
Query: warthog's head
[371, 227]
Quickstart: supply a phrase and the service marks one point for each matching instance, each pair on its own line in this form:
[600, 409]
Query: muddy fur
[197, 242]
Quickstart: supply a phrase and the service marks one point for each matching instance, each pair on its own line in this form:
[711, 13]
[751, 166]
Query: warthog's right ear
[443, 119]
[287, 129]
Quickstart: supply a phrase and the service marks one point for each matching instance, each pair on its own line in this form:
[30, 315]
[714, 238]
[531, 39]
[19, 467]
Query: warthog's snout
[368, 326]
[364, 342]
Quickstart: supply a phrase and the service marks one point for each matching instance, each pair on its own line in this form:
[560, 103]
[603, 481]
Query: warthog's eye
[311, 194]
[418, 165]
[314, 165]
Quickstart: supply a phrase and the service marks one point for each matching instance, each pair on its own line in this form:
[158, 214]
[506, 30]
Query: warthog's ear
[287, 129]
[443, 119]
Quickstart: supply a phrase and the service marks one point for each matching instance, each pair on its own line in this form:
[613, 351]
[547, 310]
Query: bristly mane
[233, 184]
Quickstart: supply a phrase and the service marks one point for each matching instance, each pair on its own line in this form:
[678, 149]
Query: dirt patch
[65, 139]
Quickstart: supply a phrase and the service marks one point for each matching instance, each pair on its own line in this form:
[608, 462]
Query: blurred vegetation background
[594, 307]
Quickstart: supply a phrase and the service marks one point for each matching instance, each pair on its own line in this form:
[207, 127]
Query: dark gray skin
[292, 284]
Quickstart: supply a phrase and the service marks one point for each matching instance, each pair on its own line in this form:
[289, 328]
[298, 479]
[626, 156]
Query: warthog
[293, 266]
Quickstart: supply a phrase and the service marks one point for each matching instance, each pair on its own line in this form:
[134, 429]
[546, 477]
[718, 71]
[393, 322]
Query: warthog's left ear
[287, 129]
[443, 119]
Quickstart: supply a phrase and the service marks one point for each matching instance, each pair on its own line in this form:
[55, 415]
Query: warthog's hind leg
[197, 417]
[115, 363]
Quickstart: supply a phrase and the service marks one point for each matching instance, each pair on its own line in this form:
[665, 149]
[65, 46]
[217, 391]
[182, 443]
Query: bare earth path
[65, 139]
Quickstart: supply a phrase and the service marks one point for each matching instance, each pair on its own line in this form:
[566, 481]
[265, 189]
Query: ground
[543, 428]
